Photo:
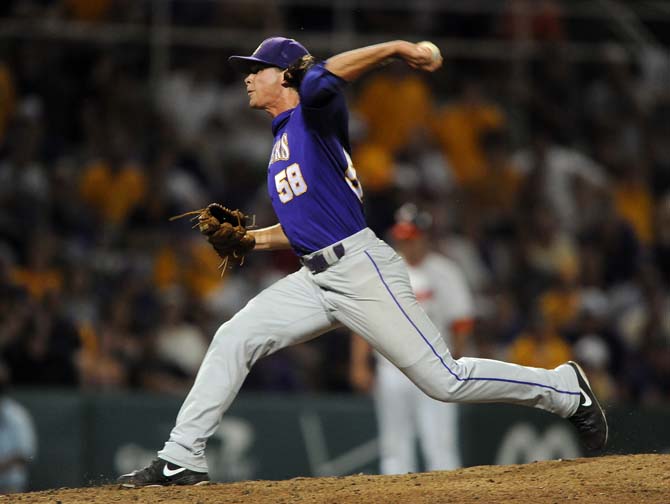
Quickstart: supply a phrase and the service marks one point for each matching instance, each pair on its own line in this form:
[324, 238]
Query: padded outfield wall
[90, 439]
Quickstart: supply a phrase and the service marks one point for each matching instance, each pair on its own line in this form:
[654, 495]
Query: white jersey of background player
[404, 412]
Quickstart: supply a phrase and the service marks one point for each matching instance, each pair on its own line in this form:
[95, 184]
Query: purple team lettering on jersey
[311, 180]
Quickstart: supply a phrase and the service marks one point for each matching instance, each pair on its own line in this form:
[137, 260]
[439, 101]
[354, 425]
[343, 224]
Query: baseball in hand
[434, 50]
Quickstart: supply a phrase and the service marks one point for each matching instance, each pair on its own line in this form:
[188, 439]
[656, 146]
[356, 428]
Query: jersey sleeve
[319, 87]
[323, 103]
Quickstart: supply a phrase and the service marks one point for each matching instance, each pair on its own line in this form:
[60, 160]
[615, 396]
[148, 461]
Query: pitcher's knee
[439, 393]
[436, 380]
[247, 344]
[436, 388]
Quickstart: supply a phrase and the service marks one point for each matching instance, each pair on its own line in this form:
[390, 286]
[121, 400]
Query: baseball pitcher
[349, 277]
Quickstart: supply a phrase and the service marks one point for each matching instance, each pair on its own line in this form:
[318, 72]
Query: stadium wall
[89, 439]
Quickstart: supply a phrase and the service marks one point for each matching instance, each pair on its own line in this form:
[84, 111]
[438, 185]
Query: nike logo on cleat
[587, 400]
[168, 473]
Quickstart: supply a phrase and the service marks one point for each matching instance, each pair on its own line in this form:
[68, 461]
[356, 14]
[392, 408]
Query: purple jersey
[311, 180]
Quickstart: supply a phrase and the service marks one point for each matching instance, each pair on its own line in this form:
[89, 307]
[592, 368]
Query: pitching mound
[626, 479]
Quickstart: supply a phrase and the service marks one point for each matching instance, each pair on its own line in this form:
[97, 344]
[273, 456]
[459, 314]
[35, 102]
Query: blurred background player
[18, 441]
[404, 412]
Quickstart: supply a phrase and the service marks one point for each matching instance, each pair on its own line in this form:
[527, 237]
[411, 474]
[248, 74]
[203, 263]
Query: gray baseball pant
[368, 291]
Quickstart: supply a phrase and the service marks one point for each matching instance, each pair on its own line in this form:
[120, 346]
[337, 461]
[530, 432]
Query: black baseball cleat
[162, 473]
[589, 418]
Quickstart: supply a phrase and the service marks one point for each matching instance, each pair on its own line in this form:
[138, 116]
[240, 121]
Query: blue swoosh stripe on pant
[440, 357]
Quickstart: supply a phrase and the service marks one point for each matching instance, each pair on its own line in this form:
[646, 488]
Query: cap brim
[244, 64]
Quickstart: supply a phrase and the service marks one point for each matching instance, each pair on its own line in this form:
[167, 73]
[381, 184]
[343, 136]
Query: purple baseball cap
[275, 51]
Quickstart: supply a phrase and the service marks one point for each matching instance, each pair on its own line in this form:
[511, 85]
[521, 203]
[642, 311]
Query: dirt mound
[629, 479]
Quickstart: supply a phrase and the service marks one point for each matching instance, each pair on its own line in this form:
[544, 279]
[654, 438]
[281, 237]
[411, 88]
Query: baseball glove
[226, 230]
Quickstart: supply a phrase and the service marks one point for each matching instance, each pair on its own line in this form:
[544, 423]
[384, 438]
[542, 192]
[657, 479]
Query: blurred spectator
[547, 252]
[497, 193]
[190, 96]
[24, 185]
[539, 345]
[614, 242]
[15, 308]
[634, 201]
[459, 127]
[42, 345]
[654, 63]
[114, 185]
[376, 171]
[67, 216]
[79, 300]
[421, 171]
[393, 104]
[499, 321]
[114, 352]
[560, 303]
[552, 171]
[375, 167]
[40, 275]
[18, 440]
[190, 263]
[175, 187]
[177, 350]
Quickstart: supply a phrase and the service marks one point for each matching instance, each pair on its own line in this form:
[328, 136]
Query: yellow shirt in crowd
[392, 108]
[635, 204]
[549, 352]
[374, 167]
[37, 282]
[458, 128]
[114, 194]
[197, 270]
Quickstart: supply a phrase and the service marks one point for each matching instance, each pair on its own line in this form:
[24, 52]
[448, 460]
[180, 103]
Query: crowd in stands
[548, 182]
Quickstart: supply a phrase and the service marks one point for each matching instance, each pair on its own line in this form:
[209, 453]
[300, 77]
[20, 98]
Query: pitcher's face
[264, 86]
